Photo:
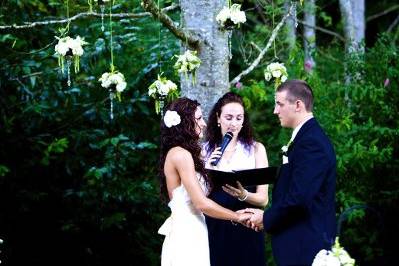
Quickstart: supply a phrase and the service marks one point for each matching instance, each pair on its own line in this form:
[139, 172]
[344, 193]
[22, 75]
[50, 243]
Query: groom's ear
[299, 106]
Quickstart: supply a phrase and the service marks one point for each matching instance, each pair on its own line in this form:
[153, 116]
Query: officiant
[233, 244]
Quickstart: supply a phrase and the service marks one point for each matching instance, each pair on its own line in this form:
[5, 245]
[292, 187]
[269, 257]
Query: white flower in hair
[171, 118]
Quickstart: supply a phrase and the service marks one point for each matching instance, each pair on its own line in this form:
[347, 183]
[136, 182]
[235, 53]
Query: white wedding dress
[186, 234]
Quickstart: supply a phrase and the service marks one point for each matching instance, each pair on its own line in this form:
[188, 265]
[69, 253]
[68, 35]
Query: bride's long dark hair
[183, 135]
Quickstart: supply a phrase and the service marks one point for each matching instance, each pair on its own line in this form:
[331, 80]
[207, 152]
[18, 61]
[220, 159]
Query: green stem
[67, 11]
[111, 41]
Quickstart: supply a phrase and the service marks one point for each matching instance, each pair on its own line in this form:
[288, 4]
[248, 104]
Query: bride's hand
[243, 218]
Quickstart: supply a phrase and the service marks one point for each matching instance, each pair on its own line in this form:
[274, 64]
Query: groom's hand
[256, 221]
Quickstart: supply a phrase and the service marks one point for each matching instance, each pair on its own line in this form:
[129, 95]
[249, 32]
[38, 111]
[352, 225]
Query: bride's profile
[185, 183]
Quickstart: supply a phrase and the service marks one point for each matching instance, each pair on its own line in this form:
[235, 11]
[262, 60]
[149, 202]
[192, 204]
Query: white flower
[66, 43]
[113, 78]
[336, 257]
[171, 118]
[325, 258]
[161, 87]
[223, 15]
[284, 148]
[234, 14]
[187, 62]
[276, 71]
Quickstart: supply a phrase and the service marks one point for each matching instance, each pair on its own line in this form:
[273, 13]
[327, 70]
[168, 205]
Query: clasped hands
[251, 218]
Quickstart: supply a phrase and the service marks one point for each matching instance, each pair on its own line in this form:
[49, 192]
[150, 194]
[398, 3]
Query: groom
[301, 219]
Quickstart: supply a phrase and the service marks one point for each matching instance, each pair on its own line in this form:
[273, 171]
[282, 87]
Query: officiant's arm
[260, 197]
[184, 165]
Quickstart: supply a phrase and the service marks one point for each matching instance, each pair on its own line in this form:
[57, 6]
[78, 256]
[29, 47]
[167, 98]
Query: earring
[218, 124]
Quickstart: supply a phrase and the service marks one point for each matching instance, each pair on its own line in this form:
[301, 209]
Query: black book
[249, 177]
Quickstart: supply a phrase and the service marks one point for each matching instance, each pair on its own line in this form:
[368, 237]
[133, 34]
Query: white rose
[276, 73]
[171, 118]
[121, 86]
[236, 15]
[223, 15]
[268, 76]
[152, 91]
[283, 78]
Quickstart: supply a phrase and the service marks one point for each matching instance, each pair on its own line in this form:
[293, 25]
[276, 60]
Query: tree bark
[212, 77]
[290, 27]
[309, 34]
[352, 12]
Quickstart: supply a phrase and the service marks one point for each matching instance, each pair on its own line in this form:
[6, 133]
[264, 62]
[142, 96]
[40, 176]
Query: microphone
[226, 140]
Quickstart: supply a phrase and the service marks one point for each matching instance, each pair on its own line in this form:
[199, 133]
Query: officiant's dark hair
[213, 133]
[298, 90]
[183, 135]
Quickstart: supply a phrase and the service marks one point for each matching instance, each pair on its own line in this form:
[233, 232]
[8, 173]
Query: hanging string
[111, 36]
[67, 11]
[159, 37]
[112, 67]
[274, 41]
[90, 5]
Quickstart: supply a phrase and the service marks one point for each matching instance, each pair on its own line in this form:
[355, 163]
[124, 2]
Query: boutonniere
[284, 149]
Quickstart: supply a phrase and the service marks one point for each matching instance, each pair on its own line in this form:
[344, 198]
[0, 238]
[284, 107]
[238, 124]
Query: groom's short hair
[298, 90]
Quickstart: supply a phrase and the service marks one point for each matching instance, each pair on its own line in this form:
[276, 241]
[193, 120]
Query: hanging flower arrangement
[188, 63]
[231, 17]
[69, 49]
[115, 82]
[160, 90]
[338, 256]
[276, 71]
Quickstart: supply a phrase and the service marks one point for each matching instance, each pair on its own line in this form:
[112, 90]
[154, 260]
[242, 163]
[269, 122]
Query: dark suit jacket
[302, 219]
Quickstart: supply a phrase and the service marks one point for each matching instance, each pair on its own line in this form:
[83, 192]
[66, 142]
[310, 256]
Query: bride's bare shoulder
[179, 154]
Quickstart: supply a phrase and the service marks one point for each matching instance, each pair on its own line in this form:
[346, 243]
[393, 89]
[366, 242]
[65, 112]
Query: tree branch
[82, 15]
[323, 30]
[256, 62]
[191, 39]
[392, 8]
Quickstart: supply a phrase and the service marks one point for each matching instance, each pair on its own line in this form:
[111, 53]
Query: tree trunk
[212, 78]
[290, 27]
[352, 12]
[359, 21]
[309, 34]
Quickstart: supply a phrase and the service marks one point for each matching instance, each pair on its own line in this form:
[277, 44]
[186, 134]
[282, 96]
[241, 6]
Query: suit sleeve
[308, 174]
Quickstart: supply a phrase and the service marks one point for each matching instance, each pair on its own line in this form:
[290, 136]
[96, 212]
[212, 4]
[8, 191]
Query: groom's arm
[308, 174]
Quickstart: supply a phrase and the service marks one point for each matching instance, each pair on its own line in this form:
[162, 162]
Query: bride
[184, 181]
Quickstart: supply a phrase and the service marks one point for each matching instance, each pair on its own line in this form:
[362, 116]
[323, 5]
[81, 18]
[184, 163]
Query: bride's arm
[184, 165]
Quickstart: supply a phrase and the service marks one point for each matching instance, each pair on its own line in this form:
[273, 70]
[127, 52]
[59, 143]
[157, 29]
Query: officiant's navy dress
[229, 244]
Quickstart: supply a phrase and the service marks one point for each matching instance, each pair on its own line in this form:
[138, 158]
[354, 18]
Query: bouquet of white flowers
[114, 81]
[336, 257]
[161, 89]
[69, 48]
[188, 63]
[276, 71]
[230, 17]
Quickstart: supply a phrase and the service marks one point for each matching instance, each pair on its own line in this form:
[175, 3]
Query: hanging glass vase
[159, 105]
[69, 58]
[111, 100]
[102, 8]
